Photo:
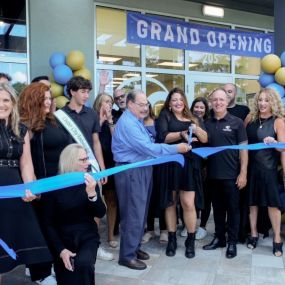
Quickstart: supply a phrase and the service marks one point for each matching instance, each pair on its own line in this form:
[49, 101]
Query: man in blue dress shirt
[131, 142]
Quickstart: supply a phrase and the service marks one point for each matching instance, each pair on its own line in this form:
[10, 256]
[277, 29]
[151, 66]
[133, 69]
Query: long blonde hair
[14, 118]
[277, 107]
[69, 158]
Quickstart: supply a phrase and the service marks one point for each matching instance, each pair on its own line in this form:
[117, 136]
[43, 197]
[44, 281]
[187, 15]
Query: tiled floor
[208, 267]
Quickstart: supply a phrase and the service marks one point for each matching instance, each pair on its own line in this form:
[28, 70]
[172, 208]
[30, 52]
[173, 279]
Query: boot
[190, 245]
[172, 244]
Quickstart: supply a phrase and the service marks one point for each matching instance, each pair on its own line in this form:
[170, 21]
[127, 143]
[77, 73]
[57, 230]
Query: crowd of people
[56, 234]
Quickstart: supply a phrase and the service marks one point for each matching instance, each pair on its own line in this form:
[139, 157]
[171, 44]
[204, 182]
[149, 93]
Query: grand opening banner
[171, 33]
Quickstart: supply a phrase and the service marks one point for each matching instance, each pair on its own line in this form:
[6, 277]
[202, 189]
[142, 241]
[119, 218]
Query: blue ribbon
[76, 178]
[9, 250]
[207, 151]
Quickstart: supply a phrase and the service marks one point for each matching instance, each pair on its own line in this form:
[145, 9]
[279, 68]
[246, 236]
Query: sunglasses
[120, 97]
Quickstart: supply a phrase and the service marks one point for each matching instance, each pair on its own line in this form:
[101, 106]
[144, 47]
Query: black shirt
[240, 111]
[87, 121]
[226, 131]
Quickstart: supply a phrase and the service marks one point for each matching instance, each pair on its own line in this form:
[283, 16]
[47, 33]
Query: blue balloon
[266, 79]
[278, 88]
[62, 74]
[282, 57]
[57, 58]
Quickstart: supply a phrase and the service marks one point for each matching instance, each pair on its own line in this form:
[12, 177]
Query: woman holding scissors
[177, 124]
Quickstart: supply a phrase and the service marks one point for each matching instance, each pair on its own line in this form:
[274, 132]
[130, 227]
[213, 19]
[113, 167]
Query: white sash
[78, 136]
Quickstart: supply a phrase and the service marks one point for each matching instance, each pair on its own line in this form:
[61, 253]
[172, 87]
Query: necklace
[261, 122]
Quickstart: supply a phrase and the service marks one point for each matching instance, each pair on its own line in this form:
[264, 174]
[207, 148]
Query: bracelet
[92, 199]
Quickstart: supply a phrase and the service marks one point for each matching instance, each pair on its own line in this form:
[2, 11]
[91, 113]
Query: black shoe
[172, 244]
[133, 264]
[231, 250]
[277, 248]
[215, 243]
[190, 245]
[142, 255]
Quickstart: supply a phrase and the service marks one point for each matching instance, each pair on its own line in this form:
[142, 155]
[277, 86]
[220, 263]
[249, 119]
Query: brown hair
[31, 106]
[186, 111]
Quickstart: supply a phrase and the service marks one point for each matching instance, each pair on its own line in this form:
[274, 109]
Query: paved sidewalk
[207, 268]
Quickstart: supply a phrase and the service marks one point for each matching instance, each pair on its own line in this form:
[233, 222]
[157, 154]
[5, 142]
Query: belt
[9, 163]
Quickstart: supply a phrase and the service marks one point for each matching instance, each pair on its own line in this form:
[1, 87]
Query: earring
[169, 109]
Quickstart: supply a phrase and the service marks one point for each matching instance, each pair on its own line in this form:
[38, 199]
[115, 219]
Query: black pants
[225, 199]
[205, 213]
[40, 271]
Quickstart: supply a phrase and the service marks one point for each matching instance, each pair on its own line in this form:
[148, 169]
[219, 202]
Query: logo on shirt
[227, 129]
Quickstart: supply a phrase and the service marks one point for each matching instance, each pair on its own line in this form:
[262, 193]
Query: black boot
[172, 244]
[190, 245]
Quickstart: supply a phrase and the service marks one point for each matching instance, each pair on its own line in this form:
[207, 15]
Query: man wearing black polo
[227, 172]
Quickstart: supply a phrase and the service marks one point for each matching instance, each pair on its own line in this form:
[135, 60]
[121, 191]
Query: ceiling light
[213, 11]
[169, 63]
[109, 59]
[132, 74]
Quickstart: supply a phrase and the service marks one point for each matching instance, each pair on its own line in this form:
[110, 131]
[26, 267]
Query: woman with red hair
[48, 139]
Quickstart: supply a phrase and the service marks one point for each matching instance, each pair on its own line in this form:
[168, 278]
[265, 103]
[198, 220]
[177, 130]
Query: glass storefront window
[159, 57]
[112, 46]
[247, 65]
[203, 89]
[110, 80]
[158, 85]
[247, 88]
[209, 62]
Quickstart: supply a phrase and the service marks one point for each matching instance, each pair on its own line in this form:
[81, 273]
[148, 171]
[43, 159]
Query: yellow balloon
[56, 90]
[75, 59]
[61, 101]
[280, 76]
[270, 63]
[84, 72]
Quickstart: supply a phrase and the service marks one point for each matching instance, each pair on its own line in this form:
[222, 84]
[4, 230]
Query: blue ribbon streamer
[76, 178]
[9, 250]
[207, 151]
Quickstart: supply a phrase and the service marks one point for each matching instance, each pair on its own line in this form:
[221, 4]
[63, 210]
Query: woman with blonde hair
[19, 227]
[68, 217]
[265, 124]
[103, 106]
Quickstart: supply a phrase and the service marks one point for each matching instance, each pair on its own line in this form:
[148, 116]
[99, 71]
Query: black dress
[172, 176]
[263, 176]
[69, 223]
[18, 224]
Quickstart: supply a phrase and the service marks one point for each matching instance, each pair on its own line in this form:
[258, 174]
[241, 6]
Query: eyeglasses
[83, 160]
[142, 105]
[120, 97]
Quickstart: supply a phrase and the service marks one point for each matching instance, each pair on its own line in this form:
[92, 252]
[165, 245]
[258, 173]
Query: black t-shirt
[240, 111]
[226, 131]
[87, 121]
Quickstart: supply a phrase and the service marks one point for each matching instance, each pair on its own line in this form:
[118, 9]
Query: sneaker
[201, 233]
[27, 272]
[183, 233]
[102, 254]
[50, 280]
[148, 236]
[163, 237]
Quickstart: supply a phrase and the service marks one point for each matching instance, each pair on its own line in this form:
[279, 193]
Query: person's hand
[29, 196]
[183, 147]
[184, 135]
[104, 78]
[241, 180]
[268, 140]
[90, 183]
[104, 180]
[65, 255]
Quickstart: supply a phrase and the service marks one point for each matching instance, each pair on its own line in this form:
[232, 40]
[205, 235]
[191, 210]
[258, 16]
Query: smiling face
[264, 106]
[177, 103]
[47, 102]
[199, 109]
[6, 105]
[219, 102]
[140, 106]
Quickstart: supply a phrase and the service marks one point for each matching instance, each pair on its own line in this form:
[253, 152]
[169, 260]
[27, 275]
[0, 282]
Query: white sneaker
[27, 272]
[102, 254]
[183, 233]
[148, 236]
[201, 233]
[163, 237]
[50, 280]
